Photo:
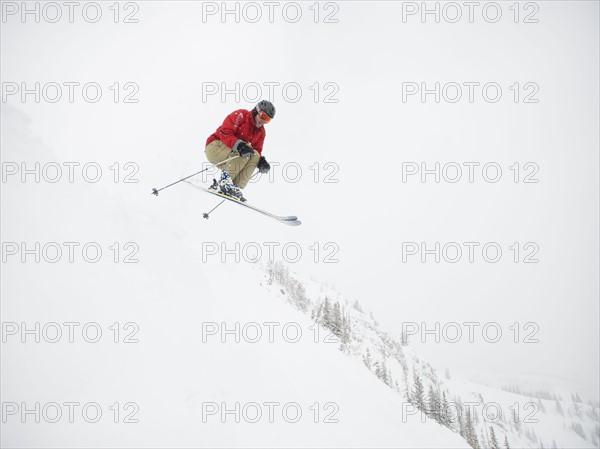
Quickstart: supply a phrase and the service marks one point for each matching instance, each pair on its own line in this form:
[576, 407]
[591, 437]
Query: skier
[241, 134]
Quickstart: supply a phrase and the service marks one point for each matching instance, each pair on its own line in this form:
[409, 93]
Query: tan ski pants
[240, 169]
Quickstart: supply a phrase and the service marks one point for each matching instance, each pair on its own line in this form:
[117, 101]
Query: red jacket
[239, 126]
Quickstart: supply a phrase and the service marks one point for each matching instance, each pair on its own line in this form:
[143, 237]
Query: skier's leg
[217, 152]
[243, 176]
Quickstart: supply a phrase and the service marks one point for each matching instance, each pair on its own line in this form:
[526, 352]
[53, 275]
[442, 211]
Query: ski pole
[155, 191]
[206, 214]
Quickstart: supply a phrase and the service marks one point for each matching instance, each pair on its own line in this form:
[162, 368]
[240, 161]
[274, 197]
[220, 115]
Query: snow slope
[531, 413]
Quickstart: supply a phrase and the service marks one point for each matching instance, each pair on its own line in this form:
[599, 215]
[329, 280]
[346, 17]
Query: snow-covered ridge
[485, 417]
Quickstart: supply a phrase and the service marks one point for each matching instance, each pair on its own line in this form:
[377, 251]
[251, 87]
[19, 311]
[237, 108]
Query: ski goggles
[263, 115]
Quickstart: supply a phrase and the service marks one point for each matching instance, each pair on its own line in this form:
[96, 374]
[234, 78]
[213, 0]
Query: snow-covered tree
[445, 413]
[469, 431]
[357, 306]
[578, 429]
[383, 373]
[541, 406]
[483, 440]
[367, 359]
[298, 295]
[346, 335]
[336, 320]
[559, 409]
[377, 369]
[316, 313]
[533, 435]
[493, 441]
[417, 396]
[515, 421]
[596, 434]
[434, 403]
[326, 321]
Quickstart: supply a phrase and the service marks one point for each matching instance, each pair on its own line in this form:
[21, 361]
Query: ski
[290, 220]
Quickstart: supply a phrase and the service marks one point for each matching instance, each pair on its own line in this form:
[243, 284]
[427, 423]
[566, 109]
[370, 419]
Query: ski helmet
[265, 106]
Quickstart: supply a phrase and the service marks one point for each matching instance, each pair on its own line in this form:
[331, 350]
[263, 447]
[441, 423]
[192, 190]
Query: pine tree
[349, 327]
[430, 408]
[515, 421]
[418, 393]
[559, 408]
[407, 394]
[326, 314]
[470, 433]
[336, 320]
[382, 371]
[483, 440]
[433, 404]
[460, 421]
[404, 339]
[316, 314]
[298, 293]
[506, 446]
[343, 331]
[346, 331]
[576, 427]
[541, 406]
[367, 359]
[445, 416]
[460, 424]
[343, 334]
[493, 442]
[530, 433]
[596, 433]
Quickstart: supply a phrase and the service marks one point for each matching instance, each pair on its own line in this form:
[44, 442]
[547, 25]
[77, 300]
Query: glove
[244, 150]
[263, 166]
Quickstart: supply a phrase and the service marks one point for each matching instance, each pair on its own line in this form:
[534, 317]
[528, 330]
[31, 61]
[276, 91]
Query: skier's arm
[259, 145]
[227, 131]
[263, 166]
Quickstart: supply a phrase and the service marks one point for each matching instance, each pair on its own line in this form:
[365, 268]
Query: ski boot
[227, 187]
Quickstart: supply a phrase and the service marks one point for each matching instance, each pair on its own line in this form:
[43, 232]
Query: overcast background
[368, 133]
